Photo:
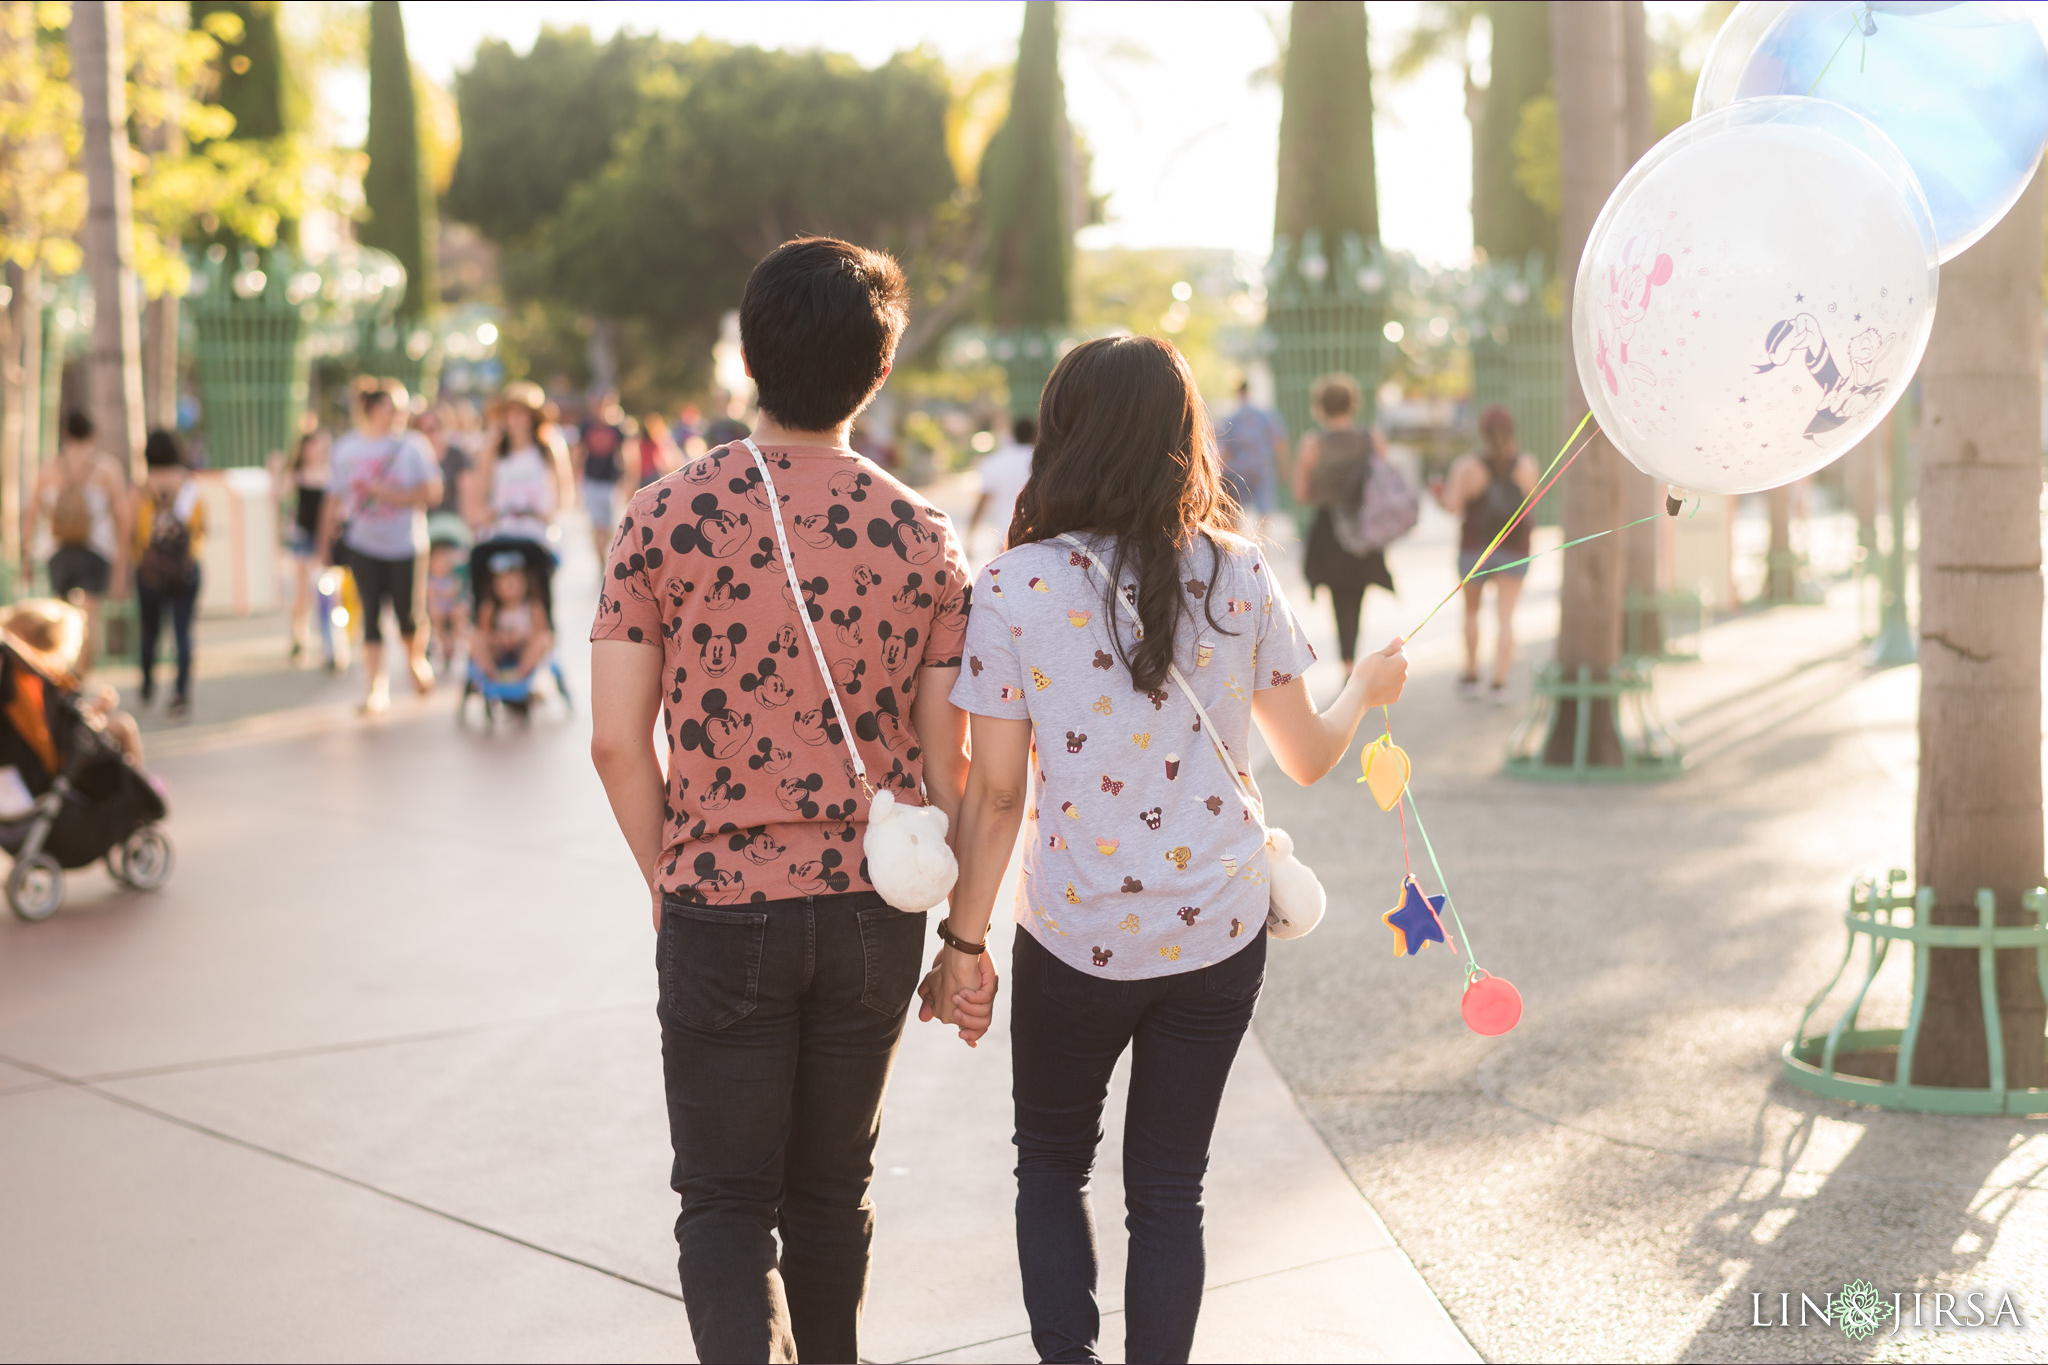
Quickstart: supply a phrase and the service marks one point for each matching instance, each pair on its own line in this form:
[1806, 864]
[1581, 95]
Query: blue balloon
[1962, 89]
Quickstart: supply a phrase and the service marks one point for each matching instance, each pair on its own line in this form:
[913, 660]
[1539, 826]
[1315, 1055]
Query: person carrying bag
[1134, 640]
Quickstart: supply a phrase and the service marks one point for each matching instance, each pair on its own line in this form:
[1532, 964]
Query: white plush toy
[1298, 898]
[908, 860]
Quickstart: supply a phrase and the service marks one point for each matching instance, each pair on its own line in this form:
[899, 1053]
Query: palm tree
[99, 70]
[1587, 52]
[1979, 809]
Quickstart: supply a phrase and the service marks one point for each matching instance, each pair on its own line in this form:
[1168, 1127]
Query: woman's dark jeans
[151, 604]
[1067, 1030]
[779, 1021]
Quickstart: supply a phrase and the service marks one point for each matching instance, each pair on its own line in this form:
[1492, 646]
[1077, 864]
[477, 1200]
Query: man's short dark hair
[819, 324]
[77, 426]
[1024, 431]
[372, 392]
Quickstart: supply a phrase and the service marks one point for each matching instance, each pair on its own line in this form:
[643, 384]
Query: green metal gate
[1323, 317]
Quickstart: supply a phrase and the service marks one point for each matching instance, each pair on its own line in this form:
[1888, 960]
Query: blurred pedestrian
[654, 451]
[1486, 488]
[1253, 443]
[526, 475]
[1329, 473]
[81, 497]
[305, 476]
[785, 978]
[383, 479]
[1003, 471]
[170, 534]
[600, 461]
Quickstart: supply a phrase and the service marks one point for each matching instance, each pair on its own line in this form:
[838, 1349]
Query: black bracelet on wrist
[958, 944]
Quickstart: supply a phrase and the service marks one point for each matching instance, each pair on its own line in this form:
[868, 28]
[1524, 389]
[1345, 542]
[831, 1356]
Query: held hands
[1383, 675]
[960, 990]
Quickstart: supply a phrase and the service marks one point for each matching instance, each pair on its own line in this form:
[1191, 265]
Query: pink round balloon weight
[1491, 1006]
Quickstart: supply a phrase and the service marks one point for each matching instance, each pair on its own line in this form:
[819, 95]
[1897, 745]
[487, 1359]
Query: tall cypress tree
[394, 187]
[1024, 189]
[1506, 223]
[253, 80]
[1326, 161]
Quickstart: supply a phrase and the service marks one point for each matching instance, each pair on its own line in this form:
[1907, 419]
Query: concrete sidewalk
[376, 1077]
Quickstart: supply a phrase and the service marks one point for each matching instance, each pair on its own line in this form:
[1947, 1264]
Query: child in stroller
[512, 637]
[72, 788]
[448, 544]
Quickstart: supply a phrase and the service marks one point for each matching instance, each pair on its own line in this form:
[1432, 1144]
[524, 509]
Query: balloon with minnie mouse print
[1755, 295]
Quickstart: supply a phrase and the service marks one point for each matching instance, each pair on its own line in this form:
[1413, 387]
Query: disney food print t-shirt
[1142, 859]
[762, 800]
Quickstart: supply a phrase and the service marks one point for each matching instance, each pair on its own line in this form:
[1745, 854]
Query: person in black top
[1329, 472]
[600, 462]
[1486, 488]
[305, 476]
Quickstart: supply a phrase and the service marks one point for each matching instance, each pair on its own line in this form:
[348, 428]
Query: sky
[1182, 134]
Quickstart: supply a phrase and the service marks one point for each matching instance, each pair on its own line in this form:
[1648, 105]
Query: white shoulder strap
[796, 593]
[1237, 778]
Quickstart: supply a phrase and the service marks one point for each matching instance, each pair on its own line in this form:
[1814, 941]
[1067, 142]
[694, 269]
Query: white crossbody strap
[1237, 778]
[796, 593]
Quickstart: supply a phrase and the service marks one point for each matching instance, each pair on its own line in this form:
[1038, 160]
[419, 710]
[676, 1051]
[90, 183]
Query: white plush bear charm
[908, 860]
[1298, 898]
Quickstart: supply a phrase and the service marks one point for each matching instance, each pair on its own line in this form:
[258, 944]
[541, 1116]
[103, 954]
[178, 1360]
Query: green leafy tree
[255, 83]
[1508, 221]
[537, 124]
[395, 194]
[1024, 186]
[734, 153]
[1327, 178]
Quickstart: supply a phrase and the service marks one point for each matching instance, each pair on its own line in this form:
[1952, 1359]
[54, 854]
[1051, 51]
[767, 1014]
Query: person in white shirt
[1004, 472]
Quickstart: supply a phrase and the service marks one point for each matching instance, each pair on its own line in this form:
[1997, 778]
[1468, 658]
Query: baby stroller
[514, 694]
[87, 800]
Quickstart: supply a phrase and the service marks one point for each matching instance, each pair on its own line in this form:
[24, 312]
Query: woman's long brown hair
[1125, 449]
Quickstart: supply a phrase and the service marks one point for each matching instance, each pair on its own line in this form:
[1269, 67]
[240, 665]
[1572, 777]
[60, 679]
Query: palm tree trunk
[13, 392]
[99, 69]
[1640, 496]
[1587, 47]
[1979, 817]
[1778, 585]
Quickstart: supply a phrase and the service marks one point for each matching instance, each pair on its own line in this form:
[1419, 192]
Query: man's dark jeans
[779, 1021]
[1067, 1030]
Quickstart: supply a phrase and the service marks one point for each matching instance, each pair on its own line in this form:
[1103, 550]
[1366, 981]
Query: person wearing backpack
[1136, 638]
[1330, 472]
[170, 531]
[82, 497]
[1486, 488]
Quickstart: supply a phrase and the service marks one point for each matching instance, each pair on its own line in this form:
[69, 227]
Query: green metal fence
[1880, 914]
[250, 315]
[1519, 364]
[1324, 316]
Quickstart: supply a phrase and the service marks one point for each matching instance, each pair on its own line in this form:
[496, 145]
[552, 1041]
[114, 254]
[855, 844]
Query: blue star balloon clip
[1416, 920]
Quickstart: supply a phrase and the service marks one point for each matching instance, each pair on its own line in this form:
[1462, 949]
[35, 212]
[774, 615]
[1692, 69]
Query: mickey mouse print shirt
[1142, 860]
[762, 800]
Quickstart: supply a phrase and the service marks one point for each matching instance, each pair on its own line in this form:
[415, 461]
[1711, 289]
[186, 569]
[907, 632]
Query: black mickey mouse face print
[912, 596]
[850, 484]
[896, 649]
[723, 791]
[795, 794]
[848, 673]
[846, 625]
[757, 845]
[718, 651]
[769, 756]
[717, 532]
[820, 874]
[724, 593]
[716, 883]
[752, 489]
[767, 685]
[702, 471]
[783, 641]
[863, 579]
[721, 732]
[820, 529]
[676, 681]
[912, 540]
[814, 588]
[815, 727]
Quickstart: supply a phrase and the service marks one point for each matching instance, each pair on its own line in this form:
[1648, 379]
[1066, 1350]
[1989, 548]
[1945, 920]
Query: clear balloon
[1754, 295]
[1962, 89]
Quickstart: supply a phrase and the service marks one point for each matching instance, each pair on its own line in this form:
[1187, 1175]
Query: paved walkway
[376, 1077]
